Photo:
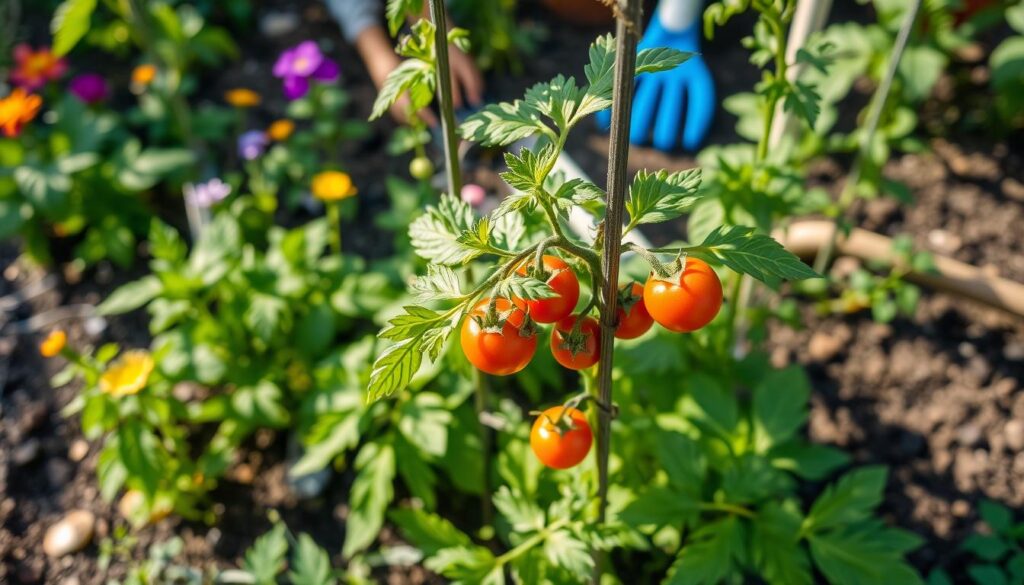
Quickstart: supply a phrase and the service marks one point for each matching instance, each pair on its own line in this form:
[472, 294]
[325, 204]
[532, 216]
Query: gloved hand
[661, 98]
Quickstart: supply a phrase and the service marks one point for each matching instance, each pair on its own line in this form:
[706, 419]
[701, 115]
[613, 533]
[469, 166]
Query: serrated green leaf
[524, 287]
[809, 461]
[131, 296]
[503, 123]
[557, 99]
[70, 23]
[758, 255]
[394, 368]
[467, 565]
[265, 560]
[412, 76]
[568, 552]
[660, 59]
[371, 493]
[414, 322]
[440, 283]
[508, 229]
[849, 500]
[436, 234]
[803, 100]
[310, 564]
[711, 554]
[659, 196]
[599, 71]
[776, 549]
[861, 556]
[661, 506]
[428, 532]
[396, 12]
[779, 407]
[521, 512]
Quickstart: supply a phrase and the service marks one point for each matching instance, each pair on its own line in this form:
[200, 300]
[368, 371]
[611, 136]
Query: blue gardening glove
[661, 98]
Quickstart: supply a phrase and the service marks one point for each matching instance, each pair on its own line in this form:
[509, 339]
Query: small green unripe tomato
[421, 168]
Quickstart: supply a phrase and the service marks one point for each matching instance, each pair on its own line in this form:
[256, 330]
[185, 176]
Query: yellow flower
[16, 110]
[143, 75]
[333, 186]
[280, 130]
[128, 375]
[242, 98]
[53, 343]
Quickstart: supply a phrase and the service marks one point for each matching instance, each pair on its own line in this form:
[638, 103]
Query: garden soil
[937, 396]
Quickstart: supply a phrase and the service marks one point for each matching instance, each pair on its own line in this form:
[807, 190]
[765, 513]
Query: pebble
[70, 535]
[25, 453]
[960, 508]
[1013, 431]
[968, 435]
[1013, 189]
[78, 450]
[944, 241]
[58, 471]
[1014, 351]
[279, 24]
[823, 346]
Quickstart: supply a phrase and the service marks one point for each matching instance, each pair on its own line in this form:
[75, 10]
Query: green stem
[531, 542]
[334, 218]
[728, 508]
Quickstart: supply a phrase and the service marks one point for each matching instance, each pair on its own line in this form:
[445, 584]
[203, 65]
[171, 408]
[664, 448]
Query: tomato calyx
[628, 298]
[493, 320]
[562, 425]
[574, 341]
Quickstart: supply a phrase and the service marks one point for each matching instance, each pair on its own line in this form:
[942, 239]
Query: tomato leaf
[396, 12]
[412, 76]
[394, 368]
[265, 560]
[866, 553]
[441, 234]
[849, 500]
[70, 23]
[131, 296]
[310, 564]
[659, 196]
[440, 283]
[467, 565]
[428, 532]
[371, 493]
[809, 461]
[776, 548]
[758, 255]
[521, 512]
[779, 407]
[503, 123]
[568, 552]
[710, 555]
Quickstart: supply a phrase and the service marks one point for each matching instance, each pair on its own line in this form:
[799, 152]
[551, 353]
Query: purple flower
[252, 144]
[91, 88]
[206, 194]
[297, 65]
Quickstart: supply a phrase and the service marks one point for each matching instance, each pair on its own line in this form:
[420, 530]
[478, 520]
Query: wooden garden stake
[626, 36]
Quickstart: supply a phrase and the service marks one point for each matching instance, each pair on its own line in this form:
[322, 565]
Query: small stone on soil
[823, 346]
[71, 534]
[25, 453]
[968, 435]
[78, 450]
[1013, 432]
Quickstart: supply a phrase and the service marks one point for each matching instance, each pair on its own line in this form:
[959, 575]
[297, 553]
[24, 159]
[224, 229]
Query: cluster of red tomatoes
[502, 341]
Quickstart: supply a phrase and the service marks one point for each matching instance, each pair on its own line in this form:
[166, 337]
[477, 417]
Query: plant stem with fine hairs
[626, 34]
[444, 95]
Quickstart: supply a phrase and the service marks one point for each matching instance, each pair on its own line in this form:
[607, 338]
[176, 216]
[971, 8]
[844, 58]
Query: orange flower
[128, 375]
[53, 344]
[32, 69]
[241, 97]
[18, 109]
[280, 130]
[333, 186]
[143, 75]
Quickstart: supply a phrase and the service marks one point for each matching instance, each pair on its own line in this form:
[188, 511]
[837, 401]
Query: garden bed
[936, 397]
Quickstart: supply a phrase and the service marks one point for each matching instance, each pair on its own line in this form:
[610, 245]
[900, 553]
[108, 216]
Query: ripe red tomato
[504, 350]
[588, 339]
[687, 303]
[634, 321]
[563, 281]
[561, 437]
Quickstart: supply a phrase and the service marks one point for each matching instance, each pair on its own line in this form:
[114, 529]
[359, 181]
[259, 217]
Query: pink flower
[32, 69]
[473, 194]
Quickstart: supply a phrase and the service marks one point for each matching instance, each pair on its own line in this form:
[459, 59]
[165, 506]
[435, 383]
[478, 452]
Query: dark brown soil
[936, 397]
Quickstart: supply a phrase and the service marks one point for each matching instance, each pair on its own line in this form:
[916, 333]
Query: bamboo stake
[444, 93]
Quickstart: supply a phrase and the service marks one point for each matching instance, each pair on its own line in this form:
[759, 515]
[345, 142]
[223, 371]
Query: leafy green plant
[996, 554]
